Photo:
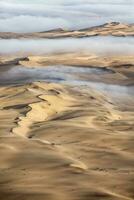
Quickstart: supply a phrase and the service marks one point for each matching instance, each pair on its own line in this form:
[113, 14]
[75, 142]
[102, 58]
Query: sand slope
[114, 69]
[113, 28]
[61, 143]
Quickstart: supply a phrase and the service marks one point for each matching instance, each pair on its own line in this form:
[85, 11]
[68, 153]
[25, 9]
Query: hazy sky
[41, 15]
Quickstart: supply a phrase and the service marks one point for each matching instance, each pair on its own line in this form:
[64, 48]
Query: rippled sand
[67, 122]
[62, 142]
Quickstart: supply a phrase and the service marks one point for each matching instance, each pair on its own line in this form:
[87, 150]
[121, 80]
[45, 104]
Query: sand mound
[58, 142]
[113, 28]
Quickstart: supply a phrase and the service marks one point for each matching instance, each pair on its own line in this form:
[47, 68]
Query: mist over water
[64, 75]
[42, 15]
[98, 45]
[56, 73]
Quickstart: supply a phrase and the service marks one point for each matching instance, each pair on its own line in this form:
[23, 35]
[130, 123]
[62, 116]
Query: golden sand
[113, 28]
[61, 143]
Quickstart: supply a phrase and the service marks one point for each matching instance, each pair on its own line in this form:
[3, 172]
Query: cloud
[41, 15]
[29, 23]
[98, 45]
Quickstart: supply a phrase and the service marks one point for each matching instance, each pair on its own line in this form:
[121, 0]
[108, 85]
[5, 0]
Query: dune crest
[113, 28]
[62, 136]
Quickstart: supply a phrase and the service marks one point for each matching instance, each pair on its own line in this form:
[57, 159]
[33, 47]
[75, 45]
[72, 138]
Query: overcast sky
[41, 15]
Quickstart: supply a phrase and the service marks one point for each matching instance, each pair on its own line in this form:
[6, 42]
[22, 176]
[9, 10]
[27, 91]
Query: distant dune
[113, 28]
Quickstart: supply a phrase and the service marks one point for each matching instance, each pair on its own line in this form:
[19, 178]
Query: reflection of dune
[64, 143]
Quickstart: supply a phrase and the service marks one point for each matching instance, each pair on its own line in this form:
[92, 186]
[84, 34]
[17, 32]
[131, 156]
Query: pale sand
[61, 143]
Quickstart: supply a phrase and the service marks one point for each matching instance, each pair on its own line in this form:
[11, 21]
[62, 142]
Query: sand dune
[68, 140]
[66, 100]
[113, 28]
[59, 142]
[114, 69]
